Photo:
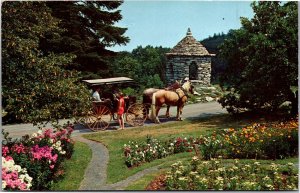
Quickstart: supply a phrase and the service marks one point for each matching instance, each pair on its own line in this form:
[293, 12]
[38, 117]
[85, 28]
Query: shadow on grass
[241, 119]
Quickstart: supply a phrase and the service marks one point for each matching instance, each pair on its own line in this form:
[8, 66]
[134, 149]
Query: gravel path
[96, 173]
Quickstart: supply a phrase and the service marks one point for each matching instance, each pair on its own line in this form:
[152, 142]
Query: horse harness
[184, 93]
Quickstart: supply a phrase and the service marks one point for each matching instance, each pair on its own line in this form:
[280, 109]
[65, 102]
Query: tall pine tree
[89, 31]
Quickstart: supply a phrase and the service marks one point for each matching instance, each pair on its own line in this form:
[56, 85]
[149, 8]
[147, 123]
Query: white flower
[182, 178]
[290, 164]
[178, 172]
[220, 179]
[3, 184]
[125, 145]
[266, 178]
[58, 143]
[18, 168]
[34, 135]
[256, 163]
[40, 132]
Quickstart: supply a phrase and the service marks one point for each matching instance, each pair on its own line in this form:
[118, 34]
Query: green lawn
[74, 168]
[115, 140]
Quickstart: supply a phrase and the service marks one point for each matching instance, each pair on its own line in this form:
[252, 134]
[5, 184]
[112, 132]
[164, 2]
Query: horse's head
[188, 87]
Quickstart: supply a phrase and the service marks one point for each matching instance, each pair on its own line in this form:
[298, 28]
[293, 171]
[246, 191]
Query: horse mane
[187, 85]
[174, 86]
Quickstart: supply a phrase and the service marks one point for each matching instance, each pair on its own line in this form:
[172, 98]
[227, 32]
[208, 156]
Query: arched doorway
[193, 71]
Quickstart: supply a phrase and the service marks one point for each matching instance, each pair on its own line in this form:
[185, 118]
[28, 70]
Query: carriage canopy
[109, 81]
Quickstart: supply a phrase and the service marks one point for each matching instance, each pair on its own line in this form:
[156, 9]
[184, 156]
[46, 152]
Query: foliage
[74, 168]
[214, 175]
[258, 141]
[14, 177]
[40, 155]
[89, 30]
[137, 153]
[145, 65]
[262, 57]
[35, 85]
[252, 142]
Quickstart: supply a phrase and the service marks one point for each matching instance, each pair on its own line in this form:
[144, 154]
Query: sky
[165, 23]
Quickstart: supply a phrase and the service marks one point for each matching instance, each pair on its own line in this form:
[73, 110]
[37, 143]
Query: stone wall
[177, 68]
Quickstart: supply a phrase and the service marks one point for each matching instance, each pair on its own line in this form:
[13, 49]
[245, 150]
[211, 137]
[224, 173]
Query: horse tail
[153, 110]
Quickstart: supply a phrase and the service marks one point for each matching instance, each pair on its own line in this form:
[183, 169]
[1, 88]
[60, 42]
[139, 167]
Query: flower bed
[137, 153]
[34, 162]
[252, 142]
[214, 175]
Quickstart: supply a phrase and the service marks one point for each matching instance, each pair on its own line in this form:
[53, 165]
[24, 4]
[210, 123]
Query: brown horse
[171, 98]
[148, 93]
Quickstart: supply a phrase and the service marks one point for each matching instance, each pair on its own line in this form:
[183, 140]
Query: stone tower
[189, 58]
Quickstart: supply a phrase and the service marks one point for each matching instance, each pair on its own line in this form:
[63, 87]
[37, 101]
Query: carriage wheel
[99, 119]
[79, 120]
[136, 114]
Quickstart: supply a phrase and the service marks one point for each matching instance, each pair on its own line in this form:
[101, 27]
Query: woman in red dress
[121, 109]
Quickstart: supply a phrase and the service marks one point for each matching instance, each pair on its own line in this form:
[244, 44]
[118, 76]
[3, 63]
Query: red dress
[121, 108]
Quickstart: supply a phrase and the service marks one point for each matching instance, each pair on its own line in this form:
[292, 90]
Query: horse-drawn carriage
[102, 113]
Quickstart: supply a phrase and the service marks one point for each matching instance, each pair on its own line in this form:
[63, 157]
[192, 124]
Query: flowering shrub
[14, 177]
[256, 141]
[214, 175]
[211, 146]
[138, 152]
[259, 141]
[40, 154]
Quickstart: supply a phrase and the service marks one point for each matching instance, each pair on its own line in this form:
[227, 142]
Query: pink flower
[7, 158]
[51, 166]
[18, 148]
[5, 151]
[48, 132]
[22, 186]
[43, 152]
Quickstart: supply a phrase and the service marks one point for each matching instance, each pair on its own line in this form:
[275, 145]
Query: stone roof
[189, 46]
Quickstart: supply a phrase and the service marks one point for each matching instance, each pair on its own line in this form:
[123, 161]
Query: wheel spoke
[136, 114]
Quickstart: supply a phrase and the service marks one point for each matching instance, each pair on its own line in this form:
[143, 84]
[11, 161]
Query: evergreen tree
[35, 86]
[89, 31]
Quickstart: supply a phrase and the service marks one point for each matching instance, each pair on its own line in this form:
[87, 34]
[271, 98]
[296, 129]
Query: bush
[137, 153]
[14, 177]
[214, 175]
[251, 142]
[40, 155]
[259, 141]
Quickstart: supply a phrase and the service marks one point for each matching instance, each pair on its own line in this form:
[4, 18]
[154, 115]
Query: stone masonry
[189, 58]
